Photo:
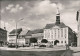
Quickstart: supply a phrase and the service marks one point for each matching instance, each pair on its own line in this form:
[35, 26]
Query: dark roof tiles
[24, 32]
[34, 32]
[16, 30]
[61, 25]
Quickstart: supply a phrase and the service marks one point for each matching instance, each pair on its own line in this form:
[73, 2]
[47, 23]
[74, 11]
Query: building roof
[34, 32]
[61, 25]
[23, 32]
[37, 31]
[3, 29]
[29, 33]
[16, 30]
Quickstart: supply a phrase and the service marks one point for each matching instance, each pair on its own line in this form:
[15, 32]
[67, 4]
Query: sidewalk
[76, 51]
[33, 49]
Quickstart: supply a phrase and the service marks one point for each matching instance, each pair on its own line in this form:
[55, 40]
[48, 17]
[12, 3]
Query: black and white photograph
[39, 27]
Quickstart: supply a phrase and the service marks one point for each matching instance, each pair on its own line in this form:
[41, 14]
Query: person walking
[67, 46]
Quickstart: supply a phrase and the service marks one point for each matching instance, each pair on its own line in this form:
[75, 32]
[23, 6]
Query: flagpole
[16, 32]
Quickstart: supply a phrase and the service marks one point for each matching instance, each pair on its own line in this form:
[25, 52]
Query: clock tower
[57, 16]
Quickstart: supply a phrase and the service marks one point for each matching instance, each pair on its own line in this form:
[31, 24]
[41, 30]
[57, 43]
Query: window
[58, 33]
[65, 41]
[61, 32]
[52, 34]
[49, 34]
[55, 33]
[61, 41]
[65, 33]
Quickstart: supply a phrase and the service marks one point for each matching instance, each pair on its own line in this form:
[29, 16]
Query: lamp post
[16, 35]
[16, 32]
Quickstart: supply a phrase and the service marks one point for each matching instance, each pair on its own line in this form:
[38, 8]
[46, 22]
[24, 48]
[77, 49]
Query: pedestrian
[67, 46]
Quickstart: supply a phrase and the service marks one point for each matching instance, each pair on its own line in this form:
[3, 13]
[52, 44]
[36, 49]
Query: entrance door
[56, 41]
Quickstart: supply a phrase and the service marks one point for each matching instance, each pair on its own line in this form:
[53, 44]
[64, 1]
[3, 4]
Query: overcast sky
[38, 13]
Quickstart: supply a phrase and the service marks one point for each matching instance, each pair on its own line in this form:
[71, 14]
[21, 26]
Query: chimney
[77, 15]
[4, 28]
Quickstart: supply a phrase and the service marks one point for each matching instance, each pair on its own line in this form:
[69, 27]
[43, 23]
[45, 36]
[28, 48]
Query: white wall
[21, 41]
[55, 34]
[12, 39]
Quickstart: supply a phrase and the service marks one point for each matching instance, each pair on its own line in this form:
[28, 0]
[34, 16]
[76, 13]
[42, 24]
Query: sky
[37, 13]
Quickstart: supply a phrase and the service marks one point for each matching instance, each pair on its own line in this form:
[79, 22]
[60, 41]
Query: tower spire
[58, 10]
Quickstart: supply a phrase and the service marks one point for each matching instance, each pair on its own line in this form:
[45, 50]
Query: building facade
[22, 37]
[37, 33]
[27, 34]
[58, 33]
[3, 35]
[13, 37]
[38, 36]
[78, 35]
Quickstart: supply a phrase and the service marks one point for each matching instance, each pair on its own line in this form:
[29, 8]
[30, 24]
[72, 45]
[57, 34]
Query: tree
[44, 41]
[33, 40]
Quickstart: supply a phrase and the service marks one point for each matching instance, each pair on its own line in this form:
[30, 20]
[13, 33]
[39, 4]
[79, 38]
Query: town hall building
[58, 33]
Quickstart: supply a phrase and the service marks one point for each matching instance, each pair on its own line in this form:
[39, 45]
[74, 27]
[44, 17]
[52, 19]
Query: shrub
[44, 41]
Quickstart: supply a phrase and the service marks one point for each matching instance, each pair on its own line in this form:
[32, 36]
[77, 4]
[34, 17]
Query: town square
[39, 28]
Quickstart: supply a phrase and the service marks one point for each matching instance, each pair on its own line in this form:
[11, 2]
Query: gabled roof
[34, 32]
[24, 32]
[29, 33]
[16, 30]
[61, 25]
[37, 31]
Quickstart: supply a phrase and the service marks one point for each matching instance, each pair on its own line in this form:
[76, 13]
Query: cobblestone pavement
[37, 49]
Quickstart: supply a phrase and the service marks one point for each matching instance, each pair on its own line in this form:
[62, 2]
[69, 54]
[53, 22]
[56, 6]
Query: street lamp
[16, 32]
